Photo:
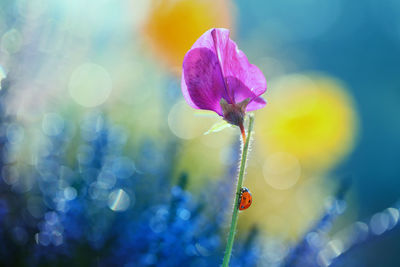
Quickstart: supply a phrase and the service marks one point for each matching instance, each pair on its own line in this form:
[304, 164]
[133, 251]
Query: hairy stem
[243, 160]
[242, 132]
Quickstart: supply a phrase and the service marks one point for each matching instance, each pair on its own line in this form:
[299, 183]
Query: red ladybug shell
[245, 199]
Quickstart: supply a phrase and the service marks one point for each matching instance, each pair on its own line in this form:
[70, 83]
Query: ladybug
[245, 198]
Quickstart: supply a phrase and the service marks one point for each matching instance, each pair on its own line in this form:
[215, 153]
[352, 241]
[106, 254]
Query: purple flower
[217, 76]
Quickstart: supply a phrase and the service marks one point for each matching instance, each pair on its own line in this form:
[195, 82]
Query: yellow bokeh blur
[309, 124]
[172, 26]
[285, 214]
[310, 117]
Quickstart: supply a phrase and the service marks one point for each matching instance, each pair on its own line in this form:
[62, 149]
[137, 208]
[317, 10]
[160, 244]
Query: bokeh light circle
[184, 124]
[70, 193]
[119, 200]
[281, 170]
[90, 85]
[52, 124]
[15, 133]
[2, 74]
[11, 41]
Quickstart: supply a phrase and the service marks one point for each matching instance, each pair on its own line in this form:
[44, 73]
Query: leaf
[217, 127]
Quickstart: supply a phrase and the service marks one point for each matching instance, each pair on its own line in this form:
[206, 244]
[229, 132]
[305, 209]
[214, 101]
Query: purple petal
[236, 67]
[256, 103]
[202, 84]
[215, 68]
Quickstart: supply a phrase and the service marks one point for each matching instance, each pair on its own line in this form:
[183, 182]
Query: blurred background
[103, 162]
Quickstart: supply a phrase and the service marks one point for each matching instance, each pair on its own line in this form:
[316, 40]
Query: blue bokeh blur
[102, 163]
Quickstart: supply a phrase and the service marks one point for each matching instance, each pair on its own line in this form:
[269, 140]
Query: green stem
[232, 230]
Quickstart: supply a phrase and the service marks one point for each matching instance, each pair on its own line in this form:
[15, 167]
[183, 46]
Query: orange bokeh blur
[172, 26]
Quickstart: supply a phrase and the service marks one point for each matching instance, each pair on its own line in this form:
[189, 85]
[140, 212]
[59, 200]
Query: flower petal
[202, 83]
[215, 68]
[236, 67]
[256, 103]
